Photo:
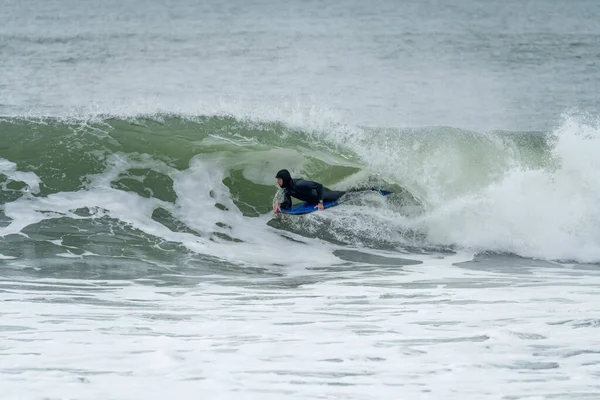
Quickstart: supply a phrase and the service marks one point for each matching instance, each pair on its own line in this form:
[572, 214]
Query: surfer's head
[283, 178]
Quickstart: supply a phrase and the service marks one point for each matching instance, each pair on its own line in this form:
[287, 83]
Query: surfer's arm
[287, 201]
[319, 189]
[282, 200]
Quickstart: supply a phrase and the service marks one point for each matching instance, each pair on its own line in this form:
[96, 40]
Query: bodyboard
[305, 208]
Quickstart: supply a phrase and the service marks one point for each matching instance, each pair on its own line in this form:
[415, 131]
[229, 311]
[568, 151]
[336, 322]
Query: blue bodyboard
[305, 208]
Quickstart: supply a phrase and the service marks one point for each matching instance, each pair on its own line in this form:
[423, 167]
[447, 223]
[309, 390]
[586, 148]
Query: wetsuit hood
[284, 174]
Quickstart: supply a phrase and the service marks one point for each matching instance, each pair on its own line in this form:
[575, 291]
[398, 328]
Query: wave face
[165, 184]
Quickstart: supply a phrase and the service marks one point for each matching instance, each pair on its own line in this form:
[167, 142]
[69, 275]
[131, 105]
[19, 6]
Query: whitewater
[139, 255]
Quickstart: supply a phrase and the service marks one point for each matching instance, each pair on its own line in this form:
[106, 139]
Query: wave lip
[550, 212]
[533, 194]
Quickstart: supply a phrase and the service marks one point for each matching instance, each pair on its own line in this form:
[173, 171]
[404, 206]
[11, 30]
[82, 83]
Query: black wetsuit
[309, 191]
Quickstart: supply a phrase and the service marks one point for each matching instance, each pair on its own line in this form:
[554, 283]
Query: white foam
[433, 330]
[9, 169]
[201, 187]
[552, 214]
[198, 190]
[538, 213]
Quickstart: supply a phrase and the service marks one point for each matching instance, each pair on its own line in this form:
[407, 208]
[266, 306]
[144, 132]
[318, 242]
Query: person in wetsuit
[309, 191]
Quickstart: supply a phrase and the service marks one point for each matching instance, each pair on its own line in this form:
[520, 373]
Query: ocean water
[140, 258]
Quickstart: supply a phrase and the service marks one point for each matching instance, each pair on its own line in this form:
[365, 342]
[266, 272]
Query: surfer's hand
[319, 206]
[276, 208]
